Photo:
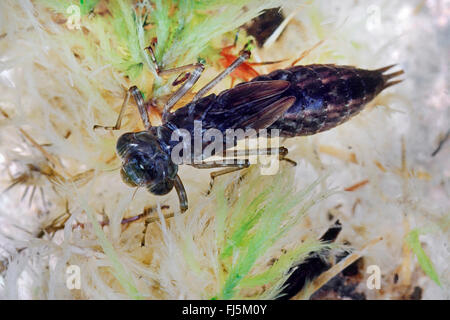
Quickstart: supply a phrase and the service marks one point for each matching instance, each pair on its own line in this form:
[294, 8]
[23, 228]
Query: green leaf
[425, 263]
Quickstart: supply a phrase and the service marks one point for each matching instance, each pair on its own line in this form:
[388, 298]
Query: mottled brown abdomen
[326, 95]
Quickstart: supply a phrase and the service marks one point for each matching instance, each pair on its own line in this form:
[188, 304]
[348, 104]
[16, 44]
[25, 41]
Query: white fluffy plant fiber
[46, 91]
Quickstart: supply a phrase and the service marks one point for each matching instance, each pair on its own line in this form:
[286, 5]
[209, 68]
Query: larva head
[145, 163]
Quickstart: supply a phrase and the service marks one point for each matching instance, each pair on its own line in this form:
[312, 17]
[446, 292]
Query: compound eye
[126, 178]
[124, 142]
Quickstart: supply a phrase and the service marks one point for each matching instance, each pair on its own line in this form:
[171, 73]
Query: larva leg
[245, 54]
[188, 80]
[281, 151]
[240, 164]
[306, 53]
[181, 91]
[214, 164]
[219, 173]
[182, 197]
[141, 107]
[229, 168]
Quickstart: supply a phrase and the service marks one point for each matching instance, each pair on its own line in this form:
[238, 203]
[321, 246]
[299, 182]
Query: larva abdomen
[326, 95]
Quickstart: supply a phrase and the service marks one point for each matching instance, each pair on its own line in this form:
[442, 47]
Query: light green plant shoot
[425, 263]
[184, 30]
[264, 212]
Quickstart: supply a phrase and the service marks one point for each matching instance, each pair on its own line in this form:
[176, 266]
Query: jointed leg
[119, 118]
[240, 164]
[141, 107]
[187, 67]
[188, 80]
[219, 173]
[214, 164]
[232, 154]
[181, 91]
[188, 83]
[281, 151]
[236, 63]
[145, 214]
[168, 71]
[306, 53]
[222, 172]
[229, 168]
[192, 79]
[182, 197]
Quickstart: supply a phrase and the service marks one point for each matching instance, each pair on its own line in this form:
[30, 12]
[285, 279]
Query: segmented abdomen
[326, 95]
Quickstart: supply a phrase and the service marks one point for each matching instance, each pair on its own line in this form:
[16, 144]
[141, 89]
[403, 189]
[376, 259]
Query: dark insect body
[263, 26]
[301, 100]
[320, 97]
[314, 265]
